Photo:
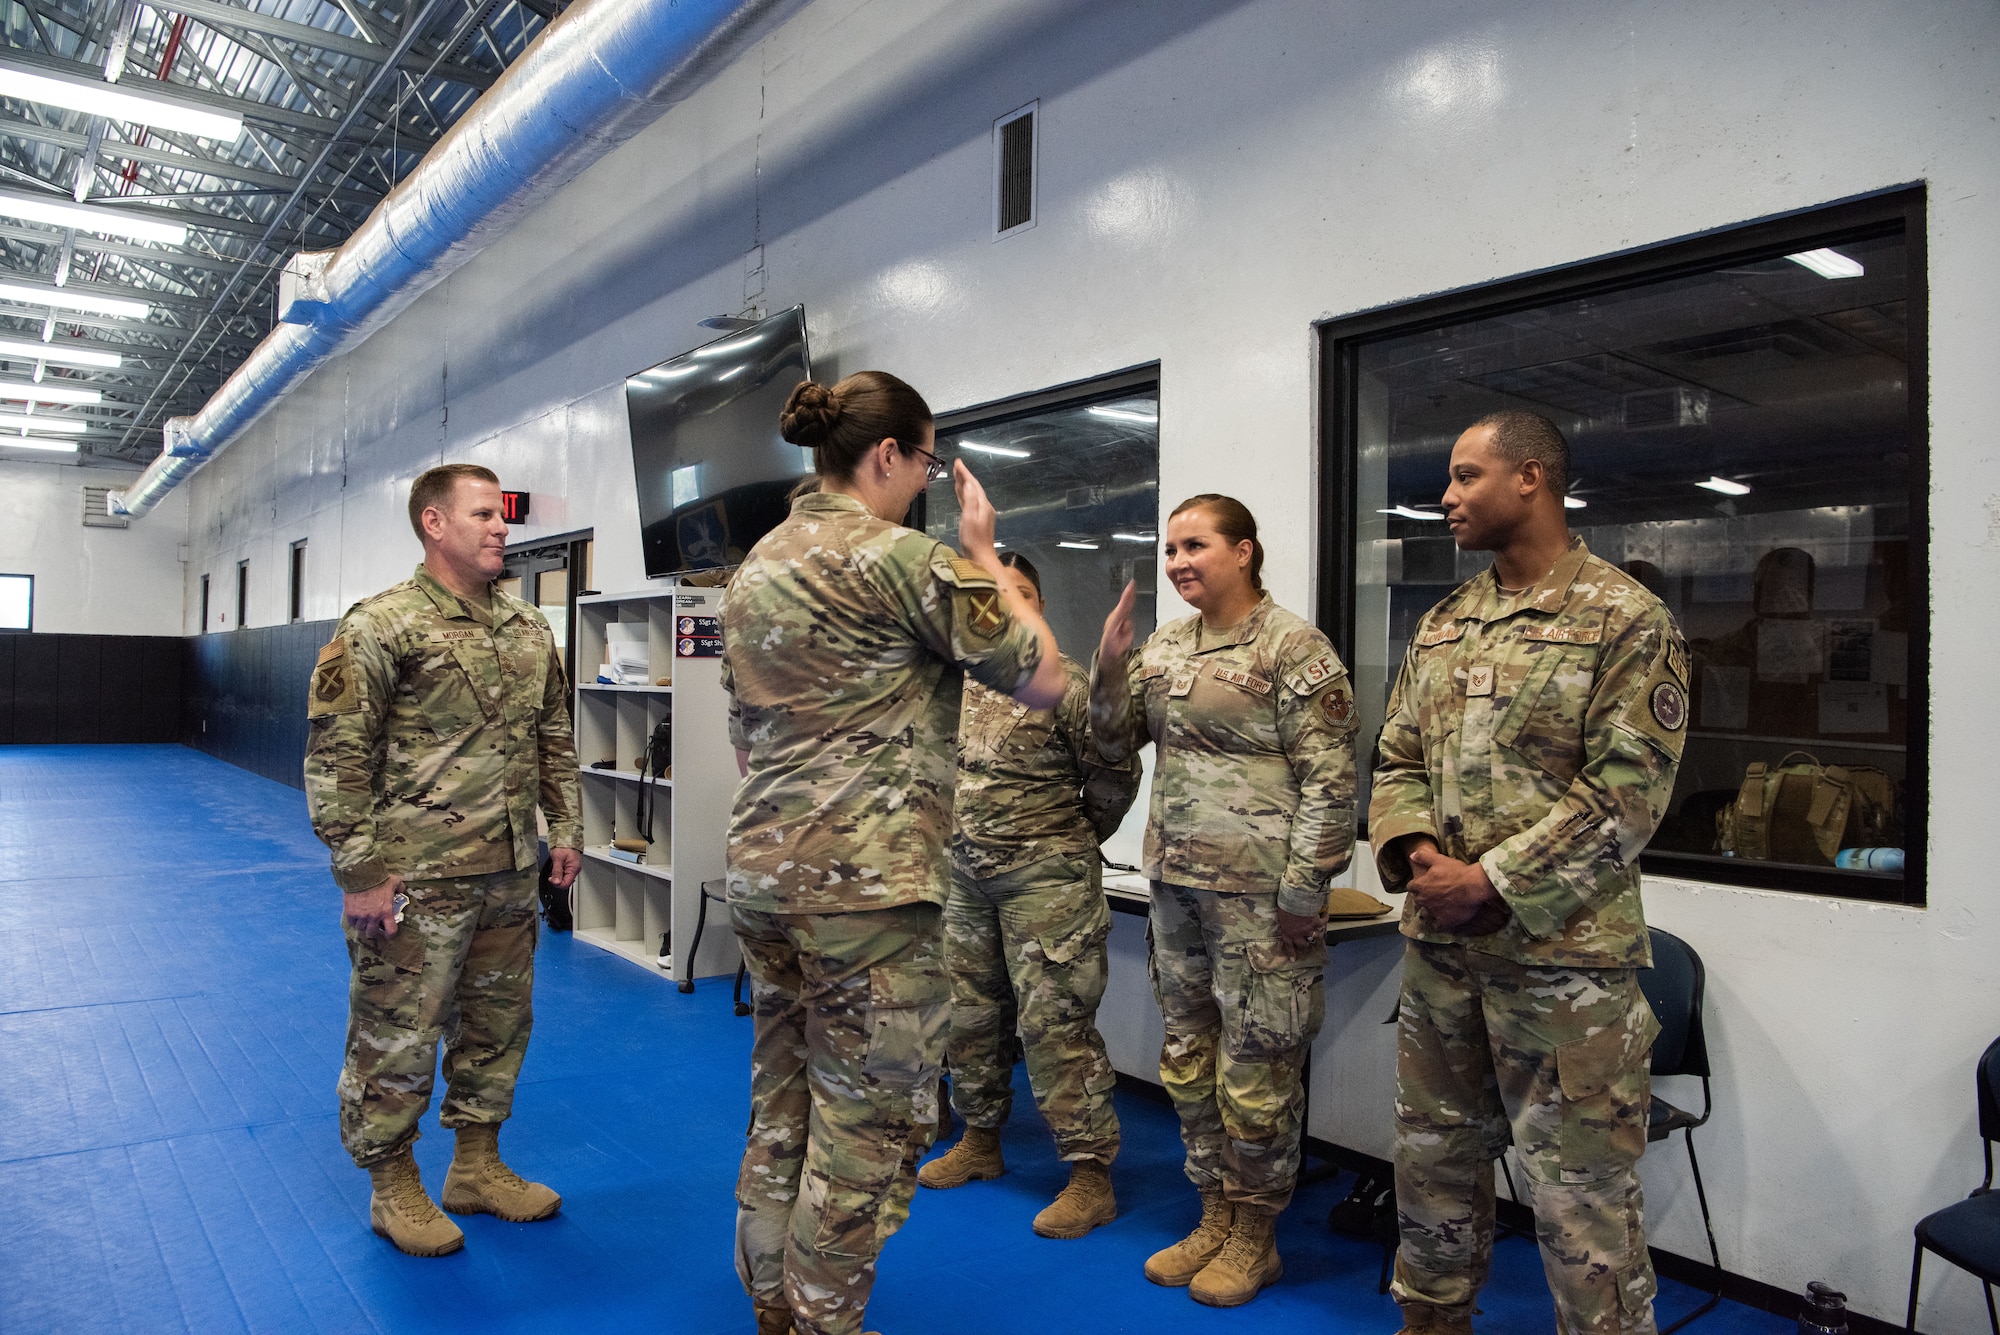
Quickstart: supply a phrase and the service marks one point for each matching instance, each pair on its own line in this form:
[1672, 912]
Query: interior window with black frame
[1746, 420]
[1074, 476]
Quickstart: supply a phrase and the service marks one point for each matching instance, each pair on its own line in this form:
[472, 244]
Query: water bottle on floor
[1825, 1312]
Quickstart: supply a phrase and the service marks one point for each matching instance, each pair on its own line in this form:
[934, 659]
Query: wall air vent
[1015, 136]
[97, 512]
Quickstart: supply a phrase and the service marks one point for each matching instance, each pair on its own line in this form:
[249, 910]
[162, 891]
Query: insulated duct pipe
[600, 74]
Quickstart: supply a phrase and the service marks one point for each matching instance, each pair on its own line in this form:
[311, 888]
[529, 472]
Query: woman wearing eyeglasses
[844, 636]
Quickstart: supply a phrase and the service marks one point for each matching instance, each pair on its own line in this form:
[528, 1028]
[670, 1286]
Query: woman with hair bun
[1025, 931]
[1252, 813]
[844, 639]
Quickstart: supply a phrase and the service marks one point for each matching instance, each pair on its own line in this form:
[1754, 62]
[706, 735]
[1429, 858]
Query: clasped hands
[1456, 896]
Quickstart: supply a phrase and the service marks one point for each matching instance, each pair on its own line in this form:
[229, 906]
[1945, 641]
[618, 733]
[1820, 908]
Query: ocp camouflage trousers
[1554, 1061]
[1240, 1014]
[461, 968]
[849, 1029]
[1026, 949]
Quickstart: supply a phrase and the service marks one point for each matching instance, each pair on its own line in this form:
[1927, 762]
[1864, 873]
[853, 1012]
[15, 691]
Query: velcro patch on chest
[1247, 680]
[1556, 633]
[454, 635]
[332, 690]
[1441, 634]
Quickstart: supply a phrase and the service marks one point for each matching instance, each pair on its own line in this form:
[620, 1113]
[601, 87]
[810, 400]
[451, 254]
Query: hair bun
[809, 416]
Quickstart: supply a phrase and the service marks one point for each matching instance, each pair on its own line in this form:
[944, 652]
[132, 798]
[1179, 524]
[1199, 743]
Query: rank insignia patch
[1670, 706]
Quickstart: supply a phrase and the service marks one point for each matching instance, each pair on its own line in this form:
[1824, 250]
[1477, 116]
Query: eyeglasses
[935, 471]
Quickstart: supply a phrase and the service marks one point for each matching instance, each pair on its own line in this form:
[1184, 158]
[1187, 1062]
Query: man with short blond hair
[439, 721]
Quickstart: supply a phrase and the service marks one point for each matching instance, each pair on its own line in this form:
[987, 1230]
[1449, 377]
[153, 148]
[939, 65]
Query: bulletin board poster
[697, 637]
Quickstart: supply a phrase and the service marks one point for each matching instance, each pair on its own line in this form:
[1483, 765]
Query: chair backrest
[1989, 1092]
[1673, 988]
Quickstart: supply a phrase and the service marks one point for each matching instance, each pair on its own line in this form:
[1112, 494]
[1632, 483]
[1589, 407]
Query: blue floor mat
[172, 1003]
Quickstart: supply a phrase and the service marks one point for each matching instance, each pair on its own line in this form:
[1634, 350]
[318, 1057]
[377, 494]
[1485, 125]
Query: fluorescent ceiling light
[64, 426]
[62, 354]
[37, 443]
[1146, 538]
[1574, 503]
[34, 294]
[997, 544]
[1004, 451]
[88, 218]
[1405, 512]
[24, 391]
[1725, 486]
[1079, 546]
[1124, 415]
[1828, 263]
[119, 103]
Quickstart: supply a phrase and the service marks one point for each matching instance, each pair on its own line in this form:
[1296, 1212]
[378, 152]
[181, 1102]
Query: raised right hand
[1117, 639]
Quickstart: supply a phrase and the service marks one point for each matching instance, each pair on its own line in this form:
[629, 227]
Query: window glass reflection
[1740, 445]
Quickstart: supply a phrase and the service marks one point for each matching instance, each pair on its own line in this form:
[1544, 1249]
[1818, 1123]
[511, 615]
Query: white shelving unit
[626, 907]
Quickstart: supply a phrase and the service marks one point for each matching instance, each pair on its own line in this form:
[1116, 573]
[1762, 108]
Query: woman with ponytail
[844, 638]
[1252, 814]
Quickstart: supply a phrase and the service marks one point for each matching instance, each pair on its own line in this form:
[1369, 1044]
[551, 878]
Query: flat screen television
[712, 470]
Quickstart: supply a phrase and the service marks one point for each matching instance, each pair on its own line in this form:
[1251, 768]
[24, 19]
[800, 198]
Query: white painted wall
[1217, 175]
[98, 581]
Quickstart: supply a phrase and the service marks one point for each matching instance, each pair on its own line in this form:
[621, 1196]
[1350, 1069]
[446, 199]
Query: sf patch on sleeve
[332, 690]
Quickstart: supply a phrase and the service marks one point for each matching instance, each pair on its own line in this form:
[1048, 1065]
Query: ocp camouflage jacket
[1253, 782]
[1031, 782]
[434, 734]
[1538, 735]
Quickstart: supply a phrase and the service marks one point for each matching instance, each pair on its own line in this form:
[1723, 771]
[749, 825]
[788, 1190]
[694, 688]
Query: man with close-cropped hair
[1530, 751]
[439, 719]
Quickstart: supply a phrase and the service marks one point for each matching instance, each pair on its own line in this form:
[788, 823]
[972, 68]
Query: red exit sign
[514, 506]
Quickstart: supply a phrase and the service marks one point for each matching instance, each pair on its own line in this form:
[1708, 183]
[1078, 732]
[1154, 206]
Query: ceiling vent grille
[97, 510]
[1014, 143]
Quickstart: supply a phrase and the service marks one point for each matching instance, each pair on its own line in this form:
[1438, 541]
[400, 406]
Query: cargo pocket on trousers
[907, 1009]
[1588, 1067]
[1637, 1287]
[1284, 1000]
[388, 979]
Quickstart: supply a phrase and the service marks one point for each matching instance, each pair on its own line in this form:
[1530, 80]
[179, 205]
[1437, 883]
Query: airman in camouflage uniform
[1536, 735]
[437, 726]
[1252, 811]
[1024, 939]
[844, 637]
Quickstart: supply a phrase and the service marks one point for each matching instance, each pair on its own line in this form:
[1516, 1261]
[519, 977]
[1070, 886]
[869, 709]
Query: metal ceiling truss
[340, 99]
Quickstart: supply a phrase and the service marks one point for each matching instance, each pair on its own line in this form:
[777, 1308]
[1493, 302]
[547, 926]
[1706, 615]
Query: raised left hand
[976, 517]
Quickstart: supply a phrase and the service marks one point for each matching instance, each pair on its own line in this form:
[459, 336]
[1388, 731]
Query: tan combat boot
[1177, 1265]
[1084, 1204]
[401, 1211]
[1425, 1319]
[1246, 1263]
[976, 1158]
[479, 1183]
[774, 1321]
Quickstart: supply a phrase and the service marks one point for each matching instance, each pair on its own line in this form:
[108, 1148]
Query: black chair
[717, 891]
[1968, 1234]
[1673, 988]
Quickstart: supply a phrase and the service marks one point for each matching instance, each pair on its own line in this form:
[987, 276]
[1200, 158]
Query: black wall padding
[60, 689]
[249, 688]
